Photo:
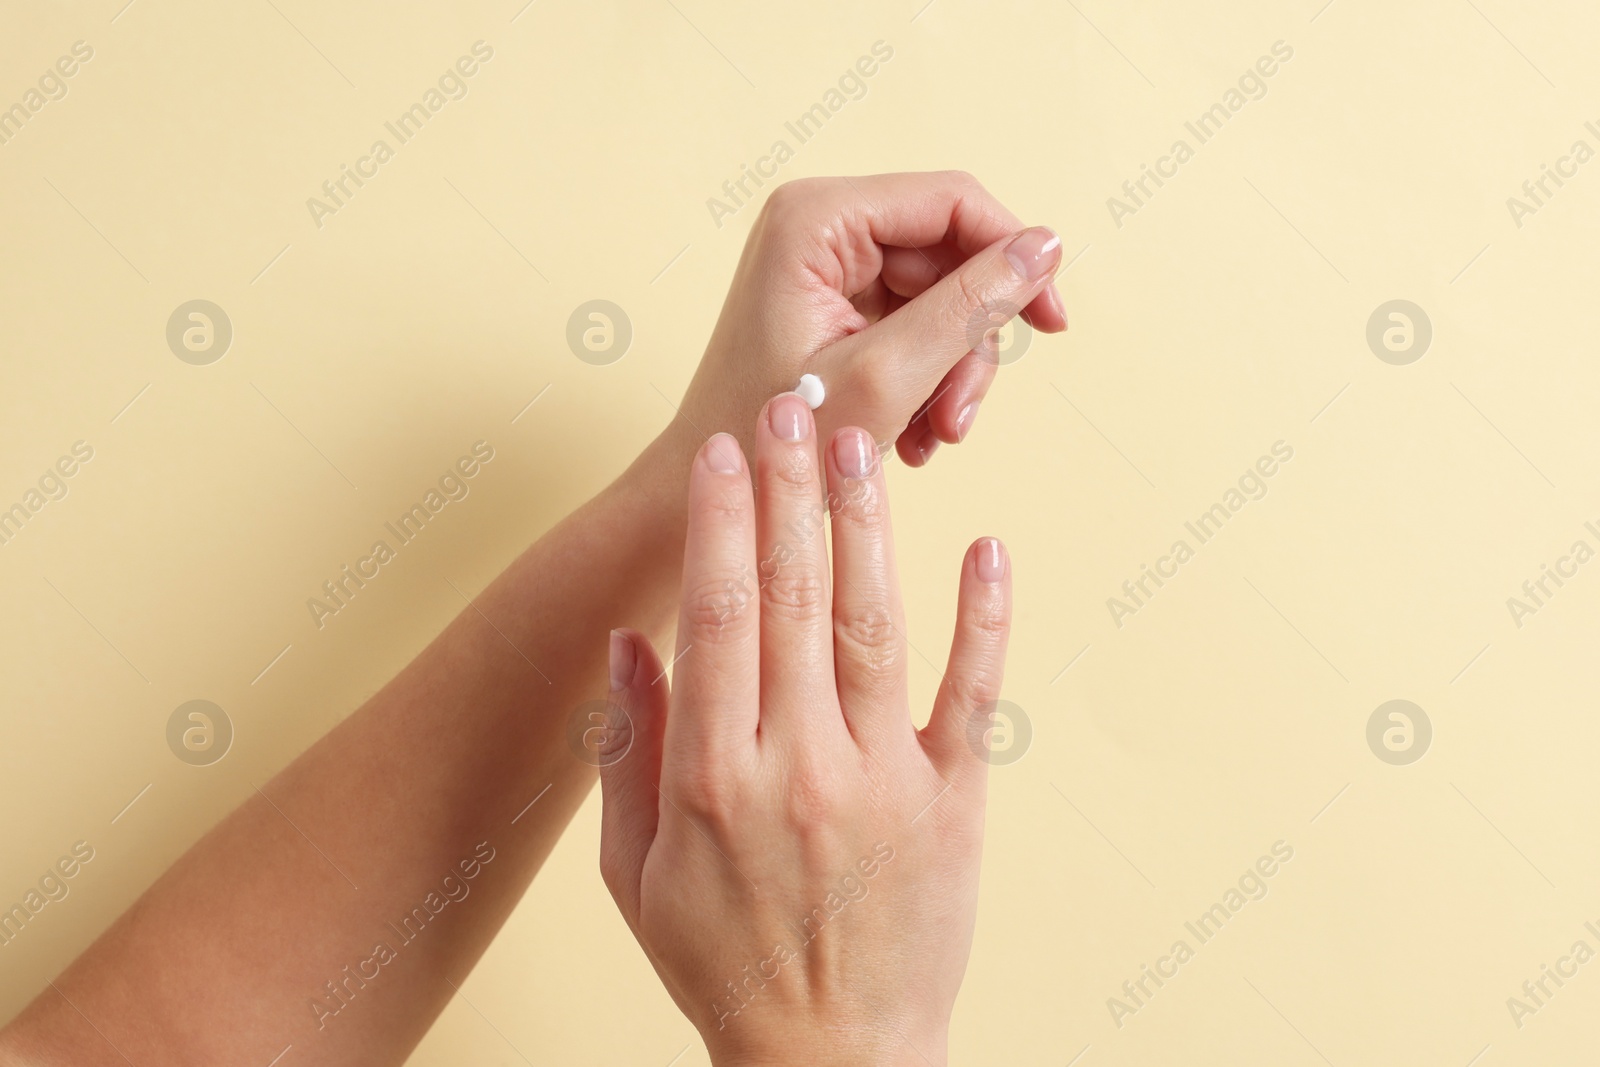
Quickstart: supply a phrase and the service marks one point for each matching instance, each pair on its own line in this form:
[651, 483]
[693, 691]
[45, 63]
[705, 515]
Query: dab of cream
[811, 391]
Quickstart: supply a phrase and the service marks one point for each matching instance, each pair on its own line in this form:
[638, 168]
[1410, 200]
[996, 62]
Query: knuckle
[707, 798]
[974, 198]
[712, 605]
[859, 503]
[616, 735]
[791, 198]
[961, 181]
[793, 469]
[795, 593]
[973, 294]
[811, 804]
[728, 503]
[868, 636]
[989, 619]
[975, 688]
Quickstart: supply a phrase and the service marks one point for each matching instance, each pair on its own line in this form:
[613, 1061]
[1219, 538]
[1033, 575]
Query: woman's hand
[886, 287]
[799, 862]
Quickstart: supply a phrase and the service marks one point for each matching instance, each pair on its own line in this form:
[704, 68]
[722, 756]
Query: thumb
[629, 755]
[880, 377]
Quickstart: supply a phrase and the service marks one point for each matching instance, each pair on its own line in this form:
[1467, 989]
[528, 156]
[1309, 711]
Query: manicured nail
[991, 560]
[1035, 253]
[964, 420]
[722, 454]
[855, 453]
[927, 446]
[789, 416]
[624, 660]
[1057, 303]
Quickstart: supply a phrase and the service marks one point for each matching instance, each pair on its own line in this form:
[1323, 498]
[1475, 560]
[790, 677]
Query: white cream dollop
[811, 391]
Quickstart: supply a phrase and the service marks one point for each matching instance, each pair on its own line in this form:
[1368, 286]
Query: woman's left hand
[799, 862]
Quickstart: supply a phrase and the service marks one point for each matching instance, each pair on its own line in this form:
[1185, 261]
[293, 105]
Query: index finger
[716, 690]
[916, 210]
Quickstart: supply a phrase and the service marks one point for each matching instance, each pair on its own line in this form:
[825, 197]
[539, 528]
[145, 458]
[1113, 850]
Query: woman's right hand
[888, 288]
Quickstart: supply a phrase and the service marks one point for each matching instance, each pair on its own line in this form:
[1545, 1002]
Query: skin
[858, 280]
[870, 283]
[799, 862]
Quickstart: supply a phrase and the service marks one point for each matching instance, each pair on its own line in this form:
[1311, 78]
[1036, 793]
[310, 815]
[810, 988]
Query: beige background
[1227, 314]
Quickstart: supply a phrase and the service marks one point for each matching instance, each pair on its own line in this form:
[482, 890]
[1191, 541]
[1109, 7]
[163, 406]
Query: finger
[922, 209]
[629, 755]
[876, 301]
[869, 649]
[716, 686]
[954, 406]
[952, 411]
[917, 443]
[910, 272]
[1057, 313]
[796, 637]
[896, 363]
[977, 661]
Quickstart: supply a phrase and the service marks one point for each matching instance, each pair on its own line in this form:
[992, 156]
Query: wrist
[655, 487]
[663, 466]
[637, 524]
[847, 1047]
[809, 1056]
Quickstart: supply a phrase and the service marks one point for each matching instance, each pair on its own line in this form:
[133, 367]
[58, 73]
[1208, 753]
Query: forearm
[231, 953]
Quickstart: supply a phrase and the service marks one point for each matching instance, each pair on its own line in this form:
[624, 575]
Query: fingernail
[789, 416]
[927, 446]
[1057, 302]
[722, 454]
[991, 560]
[964, 420]
[624, 659]
[855, 454]
[1035, 253]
